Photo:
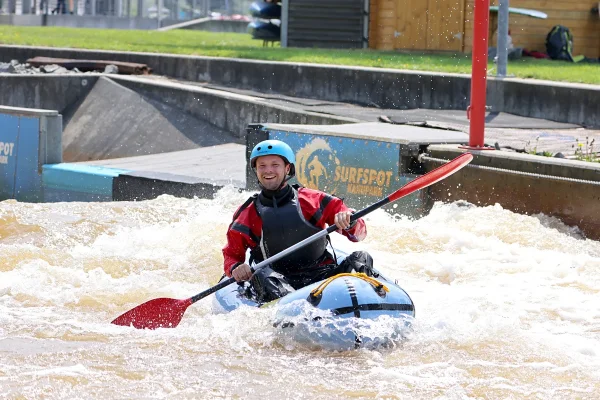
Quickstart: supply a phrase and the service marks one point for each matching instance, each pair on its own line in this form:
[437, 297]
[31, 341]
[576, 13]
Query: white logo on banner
[6, 150]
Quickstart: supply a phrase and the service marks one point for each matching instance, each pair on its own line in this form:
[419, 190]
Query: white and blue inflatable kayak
[343, 312]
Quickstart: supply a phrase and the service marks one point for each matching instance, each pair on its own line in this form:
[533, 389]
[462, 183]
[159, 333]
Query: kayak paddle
[167, 313]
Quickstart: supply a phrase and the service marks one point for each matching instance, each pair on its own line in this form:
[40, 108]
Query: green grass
[242, 46]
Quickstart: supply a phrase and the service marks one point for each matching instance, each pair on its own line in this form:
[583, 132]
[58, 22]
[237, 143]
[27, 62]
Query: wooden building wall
[447, 25]
[530, 33]
[382, 23]
[417, 24]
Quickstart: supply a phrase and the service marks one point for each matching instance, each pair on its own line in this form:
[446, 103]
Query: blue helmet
[274, 148]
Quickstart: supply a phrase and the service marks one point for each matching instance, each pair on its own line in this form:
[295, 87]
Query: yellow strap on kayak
[372, 281]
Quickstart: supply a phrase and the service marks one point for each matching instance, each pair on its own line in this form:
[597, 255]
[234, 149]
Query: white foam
[503, 301]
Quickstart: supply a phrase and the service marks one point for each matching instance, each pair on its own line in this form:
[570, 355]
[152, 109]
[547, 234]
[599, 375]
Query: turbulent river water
[508, 306]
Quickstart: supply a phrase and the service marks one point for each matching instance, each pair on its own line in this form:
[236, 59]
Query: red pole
[476, 111]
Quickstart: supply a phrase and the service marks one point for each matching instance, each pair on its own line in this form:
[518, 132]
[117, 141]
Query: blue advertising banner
[361, 170]
[9, 133]
[20, 168]
[29, 138]
[29, 173]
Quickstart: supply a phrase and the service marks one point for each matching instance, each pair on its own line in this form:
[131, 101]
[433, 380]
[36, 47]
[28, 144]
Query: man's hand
[241, 273]
[342, 219]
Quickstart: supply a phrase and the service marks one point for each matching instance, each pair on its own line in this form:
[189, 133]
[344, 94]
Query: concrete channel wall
[561, 102]
[228, 111]
[40, 91]
[524, 184]
[565, 189]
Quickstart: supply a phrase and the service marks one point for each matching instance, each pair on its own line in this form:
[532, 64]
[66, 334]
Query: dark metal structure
[338, 24]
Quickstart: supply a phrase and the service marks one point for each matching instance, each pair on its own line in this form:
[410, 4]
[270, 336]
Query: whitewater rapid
[507, 306]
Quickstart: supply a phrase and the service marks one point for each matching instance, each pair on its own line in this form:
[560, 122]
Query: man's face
[271, 171]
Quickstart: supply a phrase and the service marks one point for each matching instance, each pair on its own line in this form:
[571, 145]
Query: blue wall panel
[78, 182]
[29, 174]
[9, 133]
[29, 138]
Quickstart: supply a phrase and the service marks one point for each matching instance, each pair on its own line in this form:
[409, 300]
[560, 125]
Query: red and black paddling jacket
[267, 227]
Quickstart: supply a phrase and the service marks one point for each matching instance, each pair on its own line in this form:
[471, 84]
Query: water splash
[506, 307]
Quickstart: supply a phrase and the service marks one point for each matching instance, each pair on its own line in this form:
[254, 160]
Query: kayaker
[280, 216]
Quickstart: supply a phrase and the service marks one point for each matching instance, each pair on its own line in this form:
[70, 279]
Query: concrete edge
[228, 111]
[523, 163]
[80, 178]
[176, 178]
[135, 188]
[305, 64]
[226, 96]
[387, 88]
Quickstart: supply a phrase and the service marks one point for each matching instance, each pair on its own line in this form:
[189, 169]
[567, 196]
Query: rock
[14, 67]
[48, 69]
[22, 68]
[53, 69]
[111, 69]
[6, 68]
[559, 155]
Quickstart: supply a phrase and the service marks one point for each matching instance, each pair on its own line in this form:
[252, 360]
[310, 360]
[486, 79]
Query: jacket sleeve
[239, 238]
[234, 251]
[320, 208]
[355, 234]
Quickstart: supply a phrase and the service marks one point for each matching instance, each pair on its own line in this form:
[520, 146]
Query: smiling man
[280, 216]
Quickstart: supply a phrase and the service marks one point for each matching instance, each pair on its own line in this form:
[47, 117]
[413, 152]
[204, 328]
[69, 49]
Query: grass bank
[239, 45]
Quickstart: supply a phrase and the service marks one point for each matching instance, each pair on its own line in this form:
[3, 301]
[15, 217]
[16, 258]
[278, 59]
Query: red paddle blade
[433, 176]
[157, 313]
